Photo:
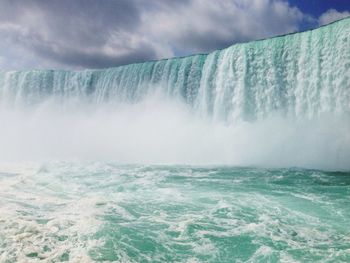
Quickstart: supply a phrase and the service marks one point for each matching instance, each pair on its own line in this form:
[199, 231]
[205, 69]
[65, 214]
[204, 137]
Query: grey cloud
[74, 33]
[105, 33]
[81, 59]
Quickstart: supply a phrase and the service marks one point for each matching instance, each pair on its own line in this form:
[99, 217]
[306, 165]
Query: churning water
[85, 212]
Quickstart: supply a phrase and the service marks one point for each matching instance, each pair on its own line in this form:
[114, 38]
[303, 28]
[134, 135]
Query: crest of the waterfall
[283, 101]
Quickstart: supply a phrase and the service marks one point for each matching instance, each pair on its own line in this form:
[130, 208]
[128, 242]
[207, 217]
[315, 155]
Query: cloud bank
[97, 34]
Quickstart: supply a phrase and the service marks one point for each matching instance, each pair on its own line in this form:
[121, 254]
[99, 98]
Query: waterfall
[283, 101]
[304, 74]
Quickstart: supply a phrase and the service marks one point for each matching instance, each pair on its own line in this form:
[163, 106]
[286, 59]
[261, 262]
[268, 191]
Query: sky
[79, 34]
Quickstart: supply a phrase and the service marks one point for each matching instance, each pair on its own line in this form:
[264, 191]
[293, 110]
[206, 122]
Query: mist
[158, 130]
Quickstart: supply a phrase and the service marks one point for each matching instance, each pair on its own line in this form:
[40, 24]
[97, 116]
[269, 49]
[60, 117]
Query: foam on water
[107, 212]
[41, 218]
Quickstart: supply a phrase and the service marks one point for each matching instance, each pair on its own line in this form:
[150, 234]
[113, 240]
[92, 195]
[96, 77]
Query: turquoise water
[83, 212]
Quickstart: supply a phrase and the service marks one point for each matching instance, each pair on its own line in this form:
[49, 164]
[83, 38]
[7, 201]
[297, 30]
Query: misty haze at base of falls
[280, 102]
[161, 131]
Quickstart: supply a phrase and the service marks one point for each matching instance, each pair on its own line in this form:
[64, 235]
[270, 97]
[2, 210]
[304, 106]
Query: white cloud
[332, 15]
[204, 25]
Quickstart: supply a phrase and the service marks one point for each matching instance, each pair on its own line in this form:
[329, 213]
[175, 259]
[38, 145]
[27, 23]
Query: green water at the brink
[104, 212]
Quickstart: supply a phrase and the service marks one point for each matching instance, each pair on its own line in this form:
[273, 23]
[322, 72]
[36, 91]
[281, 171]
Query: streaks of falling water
[304, 74]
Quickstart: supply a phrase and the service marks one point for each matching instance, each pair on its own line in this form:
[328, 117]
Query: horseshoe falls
[240, 155]
[281, 102]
